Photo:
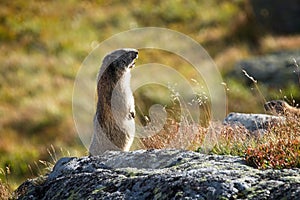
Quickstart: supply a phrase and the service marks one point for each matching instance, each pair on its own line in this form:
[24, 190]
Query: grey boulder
[252, 122]
[276, 70]
[161, 174]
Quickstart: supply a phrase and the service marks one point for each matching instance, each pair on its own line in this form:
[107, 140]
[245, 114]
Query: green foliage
[17, 162]
[279, 155]
[280, 147]
[241, 95]
[232, 141]
[44, 42]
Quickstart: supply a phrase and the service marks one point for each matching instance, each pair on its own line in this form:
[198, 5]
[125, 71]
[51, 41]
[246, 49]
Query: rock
[252, 122]
[276, 70]
[161, 174]
[277, 15]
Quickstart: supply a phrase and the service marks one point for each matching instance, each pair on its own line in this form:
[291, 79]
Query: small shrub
[232, 140]
[278, 155]
[279, 148]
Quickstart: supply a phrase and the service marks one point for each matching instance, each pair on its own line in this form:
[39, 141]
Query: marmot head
[276, 106]
[120, 59]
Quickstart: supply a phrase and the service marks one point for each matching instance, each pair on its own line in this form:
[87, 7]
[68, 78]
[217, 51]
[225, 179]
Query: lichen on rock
[161, 174]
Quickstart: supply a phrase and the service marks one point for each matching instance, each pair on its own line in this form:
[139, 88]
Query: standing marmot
[114, 126]
[281, 107]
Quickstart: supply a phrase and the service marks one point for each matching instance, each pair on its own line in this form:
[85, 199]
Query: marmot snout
[114, 126]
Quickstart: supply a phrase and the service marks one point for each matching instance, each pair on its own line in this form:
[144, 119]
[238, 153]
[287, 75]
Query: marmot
[280, 107]
[114, 125]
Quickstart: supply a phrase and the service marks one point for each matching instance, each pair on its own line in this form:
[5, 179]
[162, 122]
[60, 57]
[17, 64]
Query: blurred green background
[43, 44]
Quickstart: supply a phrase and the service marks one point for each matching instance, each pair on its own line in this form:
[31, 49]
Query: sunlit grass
[43, 44]
[5, 191]
[279, 148]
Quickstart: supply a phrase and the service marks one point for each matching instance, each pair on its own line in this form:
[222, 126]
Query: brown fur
[280, 107]
[114, 119]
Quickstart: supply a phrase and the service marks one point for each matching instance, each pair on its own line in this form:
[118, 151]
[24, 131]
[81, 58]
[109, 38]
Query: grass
[43, 44]
[5, 189]
[279, 148]
[5, 192]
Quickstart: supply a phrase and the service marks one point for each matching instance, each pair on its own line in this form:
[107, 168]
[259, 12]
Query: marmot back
[280, 107]
[114, 126]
